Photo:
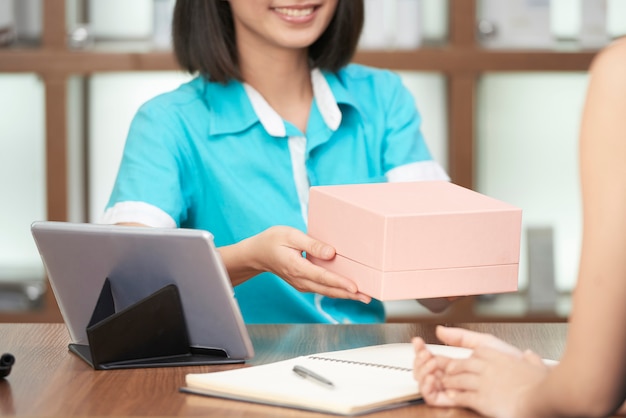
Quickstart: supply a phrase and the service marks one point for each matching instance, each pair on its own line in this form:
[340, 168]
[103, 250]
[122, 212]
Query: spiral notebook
[364, 380]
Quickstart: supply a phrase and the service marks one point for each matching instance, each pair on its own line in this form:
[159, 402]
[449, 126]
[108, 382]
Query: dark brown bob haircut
[203, 35]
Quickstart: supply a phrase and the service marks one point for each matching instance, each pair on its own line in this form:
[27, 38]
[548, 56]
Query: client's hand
[472, 382]
[429, 370]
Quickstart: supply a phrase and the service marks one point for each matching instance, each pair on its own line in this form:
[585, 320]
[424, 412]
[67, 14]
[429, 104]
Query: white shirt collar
[273, 123]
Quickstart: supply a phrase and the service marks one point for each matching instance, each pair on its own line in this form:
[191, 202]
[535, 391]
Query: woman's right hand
[279, 250]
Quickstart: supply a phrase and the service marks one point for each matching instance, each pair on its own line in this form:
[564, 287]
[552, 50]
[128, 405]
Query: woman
[500, 381]
[275, 108]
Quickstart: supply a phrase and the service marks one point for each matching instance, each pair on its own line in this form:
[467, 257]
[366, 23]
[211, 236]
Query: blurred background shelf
[76, 106]
[124, 56]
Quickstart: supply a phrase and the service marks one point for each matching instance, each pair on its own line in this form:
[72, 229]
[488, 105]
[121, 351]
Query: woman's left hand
[492, 381]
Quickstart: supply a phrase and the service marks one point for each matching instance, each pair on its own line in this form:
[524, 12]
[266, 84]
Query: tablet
[138, 262]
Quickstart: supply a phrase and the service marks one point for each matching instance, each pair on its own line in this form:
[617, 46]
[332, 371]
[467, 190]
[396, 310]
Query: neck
[283, 78]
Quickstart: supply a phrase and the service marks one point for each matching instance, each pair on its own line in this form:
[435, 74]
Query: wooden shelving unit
[461, 60]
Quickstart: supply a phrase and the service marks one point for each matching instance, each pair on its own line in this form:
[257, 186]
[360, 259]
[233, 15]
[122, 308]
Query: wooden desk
[47, 380]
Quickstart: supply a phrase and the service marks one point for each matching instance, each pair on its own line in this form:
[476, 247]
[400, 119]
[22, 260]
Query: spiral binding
[362, 363]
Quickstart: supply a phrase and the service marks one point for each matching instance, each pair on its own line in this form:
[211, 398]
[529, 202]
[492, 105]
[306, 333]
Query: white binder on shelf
[391, 24]
[7, 22]
[515, 24]
[28, 19]
[593, 26]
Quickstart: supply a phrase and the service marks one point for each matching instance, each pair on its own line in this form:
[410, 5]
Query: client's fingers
[533, 358]
[468, 365]
[434, 394]
[470, 339]
[422, 358]
[463, 399]
[466, 381]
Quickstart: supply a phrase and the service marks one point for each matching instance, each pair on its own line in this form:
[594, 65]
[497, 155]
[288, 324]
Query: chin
[298, 41]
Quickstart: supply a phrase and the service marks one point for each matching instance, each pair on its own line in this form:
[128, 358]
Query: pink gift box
[417, 240]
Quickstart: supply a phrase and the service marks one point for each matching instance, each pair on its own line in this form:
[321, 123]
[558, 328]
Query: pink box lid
[415, 225]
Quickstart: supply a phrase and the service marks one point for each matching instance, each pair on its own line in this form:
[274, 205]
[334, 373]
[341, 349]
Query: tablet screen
[138, 261]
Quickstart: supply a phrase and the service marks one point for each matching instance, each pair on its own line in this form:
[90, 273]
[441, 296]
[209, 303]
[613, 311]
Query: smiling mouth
[287, 11]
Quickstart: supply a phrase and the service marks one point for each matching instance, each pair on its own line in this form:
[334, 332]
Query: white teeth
[294, 12]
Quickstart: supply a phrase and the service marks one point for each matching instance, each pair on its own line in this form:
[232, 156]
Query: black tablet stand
[150, 333]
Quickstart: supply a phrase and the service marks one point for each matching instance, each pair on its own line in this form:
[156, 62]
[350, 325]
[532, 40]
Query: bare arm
[590, 379]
